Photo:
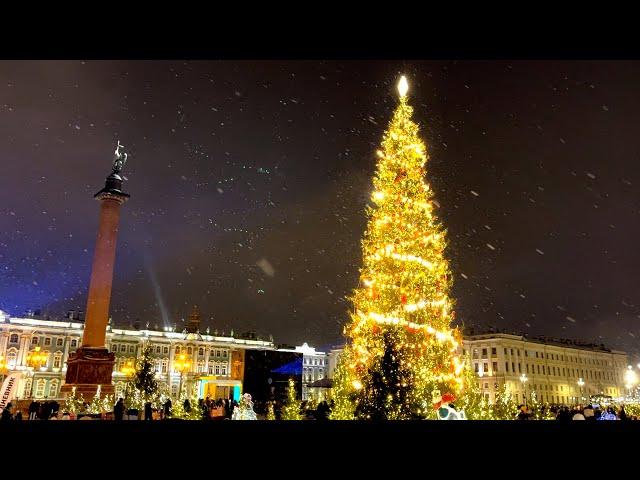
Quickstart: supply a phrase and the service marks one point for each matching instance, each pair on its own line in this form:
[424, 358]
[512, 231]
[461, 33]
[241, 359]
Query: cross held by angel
[119, 159]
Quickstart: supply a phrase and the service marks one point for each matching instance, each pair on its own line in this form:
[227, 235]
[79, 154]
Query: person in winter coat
[148, 412]
[167, 408]
[33, 410]
[118, 409]
[7, 414]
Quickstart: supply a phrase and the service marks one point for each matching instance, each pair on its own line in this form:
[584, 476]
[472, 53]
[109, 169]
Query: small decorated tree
[271, 414]
[291, 408]
[504, 407]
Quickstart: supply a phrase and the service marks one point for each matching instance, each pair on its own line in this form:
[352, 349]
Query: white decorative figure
[244, 411]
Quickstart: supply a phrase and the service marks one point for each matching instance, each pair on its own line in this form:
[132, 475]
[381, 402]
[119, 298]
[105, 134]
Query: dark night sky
[249, 179]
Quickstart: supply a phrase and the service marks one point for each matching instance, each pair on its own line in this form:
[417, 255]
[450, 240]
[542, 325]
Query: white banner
[9, 388]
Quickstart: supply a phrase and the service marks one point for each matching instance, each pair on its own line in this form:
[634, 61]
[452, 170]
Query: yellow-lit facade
[553, 370]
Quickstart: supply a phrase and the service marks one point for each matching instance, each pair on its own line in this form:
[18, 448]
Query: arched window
[53, 389]
[190, 350]
[57, 360]
[27, 388]
[12, 358]
[177, 350]
[201, 351]
[40, 384]
[13, 338]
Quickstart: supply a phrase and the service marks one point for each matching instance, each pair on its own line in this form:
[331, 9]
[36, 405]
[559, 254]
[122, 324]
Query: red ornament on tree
[403, 299]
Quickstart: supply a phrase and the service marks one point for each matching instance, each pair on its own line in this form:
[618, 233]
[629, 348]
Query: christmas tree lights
[291, 408]
[402, 347]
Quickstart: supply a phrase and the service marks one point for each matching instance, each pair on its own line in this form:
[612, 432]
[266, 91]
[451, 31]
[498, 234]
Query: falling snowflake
[266, 267]
[474, 193]
[491, 246]
[539, 251]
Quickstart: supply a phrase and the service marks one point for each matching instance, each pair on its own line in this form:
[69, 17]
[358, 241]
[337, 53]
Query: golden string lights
[400, 328]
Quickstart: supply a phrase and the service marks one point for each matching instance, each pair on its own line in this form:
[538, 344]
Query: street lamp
[128, 369]
[181, 364]
[580, 384]
[37, 358]
[524, 380]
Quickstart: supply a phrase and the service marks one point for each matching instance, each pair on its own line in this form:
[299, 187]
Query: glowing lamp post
[128, 369]
[524, 380]
[181, 364]
[37, 358]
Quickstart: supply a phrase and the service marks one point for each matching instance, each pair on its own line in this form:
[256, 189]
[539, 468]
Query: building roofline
[563, 343]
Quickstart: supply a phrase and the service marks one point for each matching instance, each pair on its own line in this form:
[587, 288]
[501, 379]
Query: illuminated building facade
[558, 371]
[216, 367]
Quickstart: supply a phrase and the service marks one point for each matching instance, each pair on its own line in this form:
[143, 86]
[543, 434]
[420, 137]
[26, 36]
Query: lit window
[27, 389]
[57, 360]
[12, 358]
[53, 389]
[40, 384]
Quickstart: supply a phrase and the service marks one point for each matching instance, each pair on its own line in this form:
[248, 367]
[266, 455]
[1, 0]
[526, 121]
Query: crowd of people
[222, 409]
[590, 412]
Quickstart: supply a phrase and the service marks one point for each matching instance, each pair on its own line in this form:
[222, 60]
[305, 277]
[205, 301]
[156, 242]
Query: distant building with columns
[217, 366]
[559, 371]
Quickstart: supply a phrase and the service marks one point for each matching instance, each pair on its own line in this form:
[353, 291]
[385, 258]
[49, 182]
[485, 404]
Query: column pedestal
[86, 369]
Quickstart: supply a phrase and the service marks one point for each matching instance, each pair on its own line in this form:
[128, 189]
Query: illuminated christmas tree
[402, 347]
[291, 408]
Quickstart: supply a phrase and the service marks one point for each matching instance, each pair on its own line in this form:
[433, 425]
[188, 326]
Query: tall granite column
[92, 364]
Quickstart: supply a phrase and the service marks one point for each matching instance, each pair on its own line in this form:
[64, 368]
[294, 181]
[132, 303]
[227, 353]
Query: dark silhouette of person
[187, 405]
[118, 409]
[148, 412]
[33, 410]
[167, 408]
[6, 413]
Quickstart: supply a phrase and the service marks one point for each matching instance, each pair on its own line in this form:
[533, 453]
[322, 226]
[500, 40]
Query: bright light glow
[523, 378]
[630, 377]
[403, 86]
